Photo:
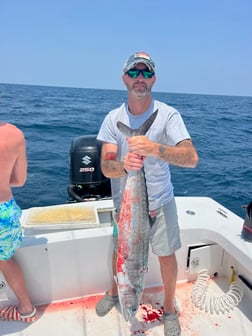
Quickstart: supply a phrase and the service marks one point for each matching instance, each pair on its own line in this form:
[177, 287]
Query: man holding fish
[140, 139]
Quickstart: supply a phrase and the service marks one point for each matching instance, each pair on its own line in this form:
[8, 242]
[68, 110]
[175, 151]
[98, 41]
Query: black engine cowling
[87, 180]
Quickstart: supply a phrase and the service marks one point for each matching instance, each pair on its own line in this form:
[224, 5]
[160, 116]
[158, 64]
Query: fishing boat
[66, 259]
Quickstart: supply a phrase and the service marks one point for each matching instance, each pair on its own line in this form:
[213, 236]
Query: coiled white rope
[218, 304]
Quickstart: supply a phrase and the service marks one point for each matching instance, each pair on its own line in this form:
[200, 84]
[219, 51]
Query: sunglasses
[134, 73]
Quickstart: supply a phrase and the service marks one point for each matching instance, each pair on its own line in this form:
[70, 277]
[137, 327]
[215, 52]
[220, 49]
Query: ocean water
[51, 117]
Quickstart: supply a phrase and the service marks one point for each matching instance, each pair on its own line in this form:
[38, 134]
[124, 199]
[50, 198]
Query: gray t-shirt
[168, 128]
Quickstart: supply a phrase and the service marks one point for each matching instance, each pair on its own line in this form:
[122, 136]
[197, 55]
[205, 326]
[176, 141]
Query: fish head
[129, 312]
[129, 304]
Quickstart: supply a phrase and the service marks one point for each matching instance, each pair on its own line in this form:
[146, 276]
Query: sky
[198, 46]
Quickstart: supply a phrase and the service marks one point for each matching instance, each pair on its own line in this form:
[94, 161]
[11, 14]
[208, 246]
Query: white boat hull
[67, 270]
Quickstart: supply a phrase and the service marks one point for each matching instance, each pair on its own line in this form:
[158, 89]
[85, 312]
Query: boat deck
[78, 317]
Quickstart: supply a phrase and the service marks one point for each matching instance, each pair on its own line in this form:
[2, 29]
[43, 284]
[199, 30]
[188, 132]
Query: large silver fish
[133, 233]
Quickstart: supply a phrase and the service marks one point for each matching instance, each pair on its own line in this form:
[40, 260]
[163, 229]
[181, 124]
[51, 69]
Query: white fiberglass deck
[67, 270]
[78, 317]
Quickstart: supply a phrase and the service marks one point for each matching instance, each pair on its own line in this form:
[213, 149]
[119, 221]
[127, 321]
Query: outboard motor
[87, 181]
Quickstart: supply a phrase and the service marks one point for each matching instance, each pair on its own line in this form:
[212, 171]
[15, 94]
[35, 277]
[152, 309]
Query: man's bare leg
[14, 277]
[168, 266]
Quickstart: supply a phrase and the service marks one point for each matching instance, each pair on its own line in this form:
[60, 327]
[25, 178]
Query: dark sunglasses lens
[147, 74]
[133, 73]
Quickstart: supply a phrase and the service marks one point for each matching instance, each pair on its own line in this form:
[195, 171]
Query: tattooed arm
[183, 154]
[110, 166]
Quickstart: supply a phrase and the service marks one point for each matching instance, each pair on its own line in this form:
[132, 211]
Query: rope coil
[218, 304]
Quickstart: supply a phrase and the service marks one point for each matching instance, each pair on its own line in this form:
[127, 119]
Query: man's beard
[139, 93]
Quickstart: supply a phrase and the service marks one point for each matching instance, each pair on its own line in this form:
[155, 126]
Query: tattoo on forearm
[161, 150]
[110, 156]
[110, 161]
[114, 167]
[180, 155]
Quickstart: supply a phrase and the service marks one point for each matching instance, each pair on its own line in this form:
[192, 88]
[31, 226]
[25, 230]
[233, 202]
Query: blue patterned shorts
[10, 229]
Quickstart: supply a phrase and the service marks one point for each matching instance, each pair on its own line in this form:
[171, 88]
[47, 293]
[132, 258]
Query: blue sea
[51, 117]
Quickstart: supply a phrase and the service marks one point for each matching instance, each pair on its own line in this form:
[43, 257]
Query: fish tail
[142, 130]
